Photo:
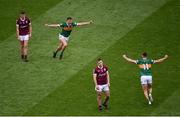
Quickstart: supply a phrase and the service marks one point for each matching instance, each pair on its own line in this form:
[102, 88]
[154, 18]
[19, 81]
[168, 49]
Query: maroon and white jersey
[101, 75]
[23, 26]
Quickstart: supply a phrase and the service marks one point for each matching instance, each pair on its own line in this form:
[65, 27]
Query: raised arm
[84, 23]
[52, 25]
[129, 59]
[161, 59]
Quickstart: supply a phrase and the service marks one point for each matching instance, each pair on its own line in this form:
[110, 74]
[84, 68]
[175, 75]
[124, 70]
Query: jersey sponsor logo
[102, 74]
[23, 26]
[101, 70]
[69, 28]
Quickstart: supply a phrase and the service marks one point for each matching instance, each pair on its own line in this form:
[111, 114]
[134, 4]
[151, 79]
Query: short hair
[23, 13]
[144, 54]
[99, 59]
[69, 18]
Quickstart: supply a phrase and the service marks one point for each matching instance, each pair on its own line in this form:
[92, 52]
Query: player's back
[145, 65]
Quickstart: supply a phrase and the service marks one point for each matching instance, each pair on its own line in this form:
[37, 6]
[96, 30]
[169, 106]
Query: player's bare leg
[105, 104]
[64, 45]
[145, 89]
[22, 49]
[150, 92]
[58, 49]
[99, 100]
[62, 51]
[26, 51]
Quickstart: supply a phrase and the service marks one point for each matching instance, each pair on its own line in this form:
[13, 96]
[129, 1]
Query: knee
[25, 46]
[149, 86]
[99, 96]
[145, 92]
[107, 96]
[65, 45]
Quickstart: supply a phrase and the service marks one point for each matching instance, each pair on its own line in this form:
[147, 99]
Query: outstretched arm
[52, 25]
[84, 23]
[161, 59]
[129, 59]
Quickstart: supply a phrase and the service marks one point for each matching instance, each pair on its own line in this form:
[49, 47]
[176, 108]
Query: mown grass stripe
[126, 95]
[42, 78]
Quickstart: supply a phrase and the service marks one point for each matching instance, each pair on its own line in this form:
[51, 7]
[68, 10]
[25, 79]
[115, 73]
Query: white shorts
[24, 37]
[103, 88]
[146, 80]
[61, 37]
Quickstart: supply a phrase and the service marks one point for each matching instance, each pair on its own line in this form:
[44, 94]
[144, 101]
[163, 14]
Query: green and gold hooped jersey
[67, 28]
[145, 66]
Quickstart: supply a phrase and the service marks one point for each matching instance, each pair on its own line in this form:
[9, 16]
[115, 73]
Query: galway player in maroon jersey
[23, 33]
[102, 83]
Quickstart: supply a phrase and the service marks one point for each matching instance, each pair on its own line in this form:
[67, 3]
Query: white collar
[22, 19]
[100, 67]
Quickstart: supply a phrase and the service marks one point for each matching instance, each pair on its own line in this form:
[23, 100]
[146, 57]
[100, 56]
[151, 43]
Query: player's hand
[46, 25]
[91, 22]
[18, 38]
[124, 56]
[109, 84]
[166, 56]
[96, 87]
[30, 35]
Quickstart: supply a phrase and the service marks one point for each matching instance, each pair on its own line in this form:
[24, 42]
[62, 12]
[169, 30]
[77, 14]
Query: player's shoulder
[139, 61]
[96, 68]
[151, 60]
[18, 19]
[63, 24]
[105, 67]
[74, 23]
[28, 19]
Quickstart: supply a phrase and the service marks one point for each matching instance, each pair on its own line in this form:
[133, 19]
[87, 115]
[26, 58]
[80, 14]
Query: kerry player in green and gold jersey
[67, 28]
[145, 65]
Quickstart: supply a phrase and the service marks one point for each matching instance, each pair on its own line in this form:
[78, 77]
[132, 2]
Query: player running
[23, 33]
[145, 65]
[65, 34]
[102, 83]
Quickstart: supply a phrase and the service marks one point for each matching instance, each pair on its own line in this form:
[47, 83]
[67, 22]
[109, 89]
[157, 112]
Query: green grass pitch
[47, 86]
